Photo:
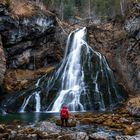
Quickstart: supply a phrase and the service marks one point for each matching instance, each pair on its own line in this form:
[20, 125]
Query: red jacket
[64, 113]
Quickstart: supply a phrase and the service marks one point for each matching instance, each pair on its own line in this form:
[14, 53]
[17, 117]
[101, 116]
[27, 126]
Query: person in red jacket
[64, 114]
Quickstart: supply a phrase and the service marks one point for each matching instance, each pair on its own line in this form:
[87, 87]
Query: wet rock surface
[99, 135]
[128, 137]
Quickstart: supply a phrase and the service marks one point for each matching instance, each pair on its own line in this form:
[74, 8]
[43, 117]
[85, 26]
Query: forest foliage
[89, 8]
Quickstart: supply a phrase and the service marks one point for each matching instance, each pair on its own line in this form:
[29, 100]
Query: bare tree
[123, 5]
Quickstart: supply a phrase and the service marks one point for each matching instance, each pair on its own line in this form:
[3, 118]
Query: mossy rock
[99, 120]
[108, 122]
[88, 115]
[28, 130]
[129, 130]
[78, 116]
[86, 121]
[71, 123]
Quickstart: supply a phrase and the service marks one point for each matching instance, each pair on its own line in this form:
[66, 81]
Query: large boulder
[48, 127]
[133, 106]
[99, 136]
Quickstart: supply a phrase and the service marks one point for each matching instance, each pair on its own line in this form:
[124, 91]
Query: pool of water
[27, 117]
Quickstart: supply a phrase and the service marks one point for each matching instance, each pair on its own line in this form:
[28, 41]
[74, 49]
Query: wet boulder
[74, 136]
[137, 137]
[99, 136]
[48, 127]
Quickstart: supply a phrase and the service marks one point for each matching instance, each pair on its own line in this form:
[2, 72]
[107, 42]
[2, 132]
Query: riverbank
[84, 126]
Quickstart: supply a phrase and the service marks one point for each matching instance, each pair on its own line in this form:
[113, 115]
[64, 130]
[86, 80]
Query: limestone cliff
[29, 42]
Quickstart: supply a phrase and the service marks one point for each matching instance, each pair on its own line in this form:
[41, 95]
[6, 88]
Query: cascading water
[83, 81]
[72, 77]
[74, 73]
[36, 95]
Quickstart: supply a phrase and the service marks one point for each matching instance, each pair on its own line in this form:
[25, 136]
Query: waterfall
[83, 81]
[25, 103]
[84, 85]
[72, 76]
[35, 95]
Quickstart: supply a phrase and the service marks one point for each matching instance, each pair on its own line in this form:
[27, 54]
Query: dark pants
[64, 120]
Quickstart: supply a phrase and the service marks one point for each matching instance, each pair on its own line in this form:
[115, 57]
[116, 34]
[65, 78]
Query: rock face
[29, 41]
[121, 48]
[17, 80]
